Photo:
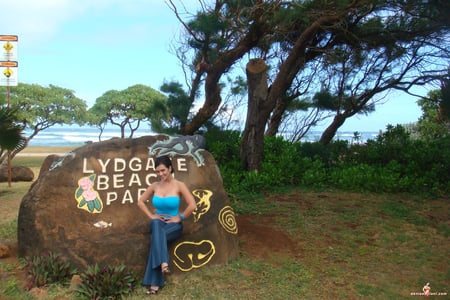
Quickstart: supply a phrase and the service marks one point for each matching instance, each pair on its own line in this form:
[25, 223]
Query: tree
[38, 108]
[11, 137]
[179, 104]
[253, 137]
[364, 48]
[435, 120]
[128, 108]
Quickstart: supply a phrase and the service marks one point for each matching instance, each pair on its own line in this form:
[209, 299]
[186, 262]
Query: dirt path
[255, 234]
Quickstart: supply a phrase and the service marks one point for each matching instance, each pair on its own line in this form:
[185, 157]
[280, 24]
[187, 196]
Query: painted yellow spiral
[228, 220]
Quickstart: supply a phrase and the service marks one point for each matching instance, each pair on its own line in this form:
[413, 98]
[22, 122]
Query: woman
[165, 220]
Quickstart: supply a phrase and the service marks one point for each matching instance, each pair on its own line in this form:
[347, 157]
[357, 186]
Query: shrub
[362, 177]
[224, 146]
[315, 175]
[394, 162]
[330, 154]
[47, 269]
[106, 282]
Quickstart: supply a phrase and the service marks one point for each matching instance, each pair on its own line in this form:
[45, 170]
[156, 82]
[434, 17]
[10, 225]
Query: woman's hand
[170, 219]
[156, 217]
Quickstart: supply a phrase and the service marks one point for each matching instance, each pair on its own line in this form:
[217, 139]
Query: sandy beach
[45, 151]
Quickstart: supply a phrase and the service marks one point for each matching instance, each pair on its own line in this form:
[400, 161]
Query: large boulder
[18, 173]
[83, 206]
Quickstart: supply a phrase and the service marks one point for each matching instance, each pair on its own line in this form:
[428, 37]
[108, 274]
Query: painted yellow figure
[88, 198]
[192, 255]
[203, 203]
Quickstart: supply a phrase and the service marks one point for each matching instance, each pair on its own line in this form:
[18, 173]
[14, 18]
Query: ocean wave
[78, 136]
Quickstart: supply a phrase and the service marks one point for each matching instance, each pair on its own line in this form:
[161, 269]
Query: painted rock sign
[83, 206]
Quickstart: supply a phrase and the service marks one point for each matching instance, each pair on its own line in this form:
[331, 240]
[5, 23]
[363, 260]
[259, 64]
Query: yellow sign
[8, 44]
[8, 60]
[8, 73]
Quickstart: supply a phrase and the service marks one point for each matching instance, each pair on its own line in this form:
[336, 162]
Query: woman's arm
[143, 198]
[189, 199]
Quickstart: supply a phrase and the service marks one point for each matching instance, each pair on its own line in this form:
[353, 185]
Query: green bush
[393, 162]
[419, 165]
[224, 146]
[315, 175]
[329, 155]
[362, 177]
[106, 283]
[47, 269]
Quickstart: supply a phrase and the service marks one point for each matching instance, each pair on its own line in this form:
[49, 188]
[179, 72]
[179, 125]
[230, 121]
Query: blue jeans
[161, 234]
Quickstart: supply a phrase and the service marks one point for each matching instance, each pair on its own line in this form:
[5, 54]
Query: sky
[92, 47]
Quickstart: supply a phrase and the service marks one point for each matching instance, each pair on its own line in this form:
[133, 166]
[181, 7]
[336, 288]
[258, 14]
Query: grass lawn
[295, 244]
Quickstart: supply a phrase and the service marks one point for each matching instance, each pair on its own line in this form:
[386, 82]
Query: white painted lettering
[150, 164]
[149, 177]
[102, 182]
[127, 176]
[118, 181]
[119, 165]
[110, 197]
[135, 179]
[182, 165]
[85, 169]
[104, 164]
[140, 192]
[135, 164]
[127, 197]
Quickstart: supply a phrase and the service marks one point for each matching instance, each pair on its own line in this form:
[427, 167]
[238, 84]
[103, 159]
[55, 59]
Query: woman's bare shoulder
[180, 183]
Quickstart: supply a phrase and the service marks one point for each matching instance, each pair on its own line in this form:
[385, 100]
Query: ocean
[78, 136]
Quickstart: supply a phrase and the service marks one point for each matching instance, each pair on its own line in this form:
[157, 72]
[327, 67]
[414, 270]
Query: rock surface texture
[18, 173]
[83, 206]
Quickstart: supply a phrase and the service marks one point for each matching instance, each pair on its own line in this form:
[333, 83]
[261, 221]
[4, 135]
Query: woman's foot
[165, 268]
[153, 290]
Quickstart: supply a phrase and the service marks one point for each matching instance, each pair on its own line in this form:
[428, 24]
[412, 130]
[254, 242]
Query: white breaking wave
[78, 136]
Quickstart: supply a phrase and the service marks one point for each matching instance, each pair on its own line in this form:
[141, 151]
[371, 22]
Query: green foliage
[393, 162]
[8, 230]
[11, 136]
[106, 282]
[435, 114]
[11, 288]
[315, 174]
[41, 107]
[361, 177]
[178, 104]
[251, 203]
[330, 154]
[47, 269]
[128, 108]
[224, 145]
[97, 282]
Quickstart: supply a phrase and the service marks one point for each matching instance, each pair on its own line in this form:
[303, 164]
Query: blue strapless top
[166, 205]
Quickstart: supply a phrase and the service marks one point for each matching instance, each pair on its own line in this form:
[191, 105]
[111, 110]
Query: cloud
[40, 20]
[36, 20]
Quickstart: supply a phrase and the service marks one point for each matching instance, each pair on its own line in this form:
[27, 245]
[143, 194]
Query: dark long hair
[164, 160]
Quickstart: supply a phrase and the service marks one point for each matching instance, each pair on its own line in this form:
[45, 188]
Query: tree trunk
[4, 157]
[257, 114]
[332, 129]
[276, 118]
